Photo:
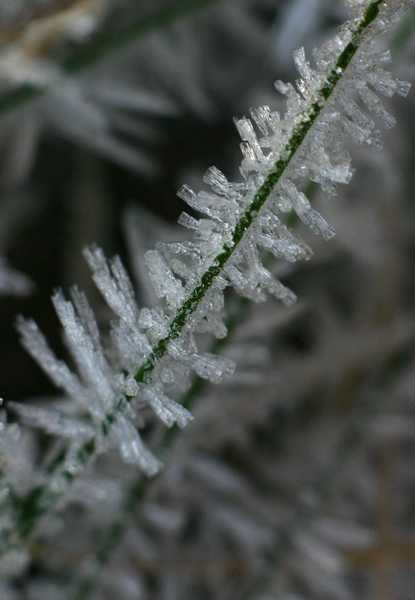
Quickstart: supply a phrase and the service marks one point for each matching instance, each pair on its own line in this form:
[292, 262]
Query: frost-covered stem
[189, 301]
[41, 499]
[297, 138]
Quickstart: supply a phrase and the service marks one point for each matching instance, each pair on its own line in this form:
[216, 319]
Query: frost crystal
[169, 411]
[125, 436]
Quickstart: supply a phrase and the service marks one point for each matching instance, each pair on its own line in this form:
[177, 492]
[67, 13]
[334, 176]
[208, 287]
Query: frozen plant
[151, 352]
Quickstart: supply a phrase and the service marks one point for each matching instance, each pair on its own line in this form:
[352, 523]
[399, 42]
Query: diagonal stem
[261, 196]
[41, 499]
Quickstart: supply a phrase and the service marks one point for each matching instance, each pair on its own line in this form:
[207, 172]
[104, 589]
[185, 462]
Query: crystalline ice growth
[130, 387]
[108, 371]
[167, 410]
[201, 202]
[125, 436]
[259, 274]
[277, 238]
[212, 367]
[155, 322]
[87, 318]
[214, 324]
[368, 69]
[382, 81]
[207, 366]
[294, 101]
[187, 250]
[116, 287]
[353, 131]
[211, 318]
[184, 272]
[387, 18]
[188, 195]
[219, 184]
[124, 351]
[37, 346]
[307, 214]
[188, 221]
[216, 207]
[374, 104]
[244, 285]
[310, 79]
[89, 362]
[163, 280]
[327, 54]
[263, 119]
[51, 421]
[326, 155]
[254, 158]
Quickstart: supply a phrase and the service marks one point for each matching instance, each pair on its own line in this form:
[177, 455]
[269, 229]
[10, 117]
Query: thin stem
[139, 487]
[298, 136]
[41, 498]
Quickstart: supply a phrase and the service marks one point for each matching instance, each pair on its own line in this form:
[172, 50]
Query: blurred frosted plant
[13, 282]
[151, 352]
[69, 104]
[86, 97]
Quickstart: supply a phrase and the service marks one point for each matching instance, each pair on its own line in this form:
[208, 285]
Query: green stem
[41, 499]
[298, 136]
[138, 489]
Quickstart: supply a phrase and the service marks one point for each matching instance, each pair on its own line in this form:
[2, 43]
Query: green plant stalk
[137, 490]
[41, 499]
[299, 134]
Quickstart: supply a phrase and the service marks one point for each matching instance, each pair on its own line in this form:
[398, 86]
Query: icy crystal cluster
[151, 353]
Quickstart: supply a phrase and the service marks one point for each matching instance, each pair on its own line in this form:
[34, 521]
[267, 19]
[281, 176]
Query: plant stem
[298, 136]
[41, 499]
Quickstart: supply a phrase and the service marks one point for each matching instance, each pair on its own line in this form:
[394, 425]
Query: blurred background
[296, 479]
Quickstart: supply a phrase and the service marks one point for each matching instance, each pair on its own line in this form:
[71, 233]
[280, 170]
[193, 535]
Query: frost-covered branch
[153, 350]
